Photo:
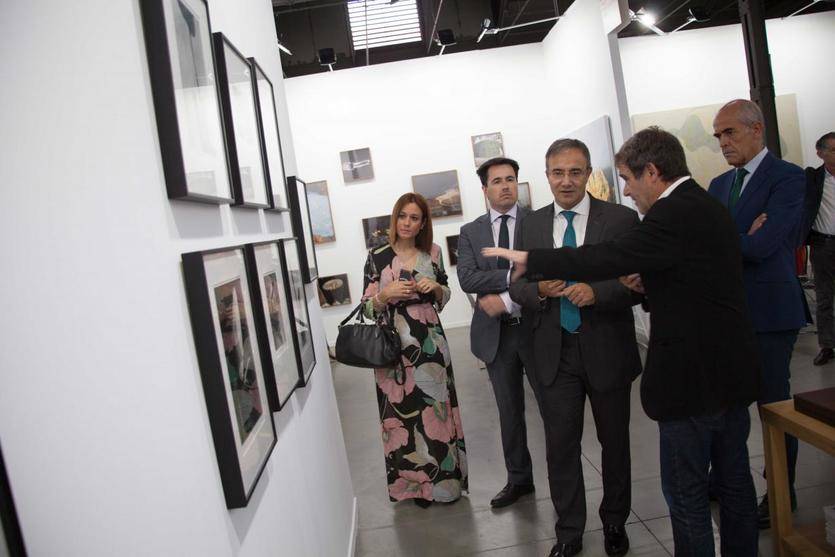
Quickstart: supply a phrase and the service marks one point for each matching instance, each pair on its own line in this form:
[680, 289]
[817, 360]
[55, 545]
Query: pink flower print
[411, 485]
[424, 313]
[437, 422]
[456, 418]
[387, 380]
[394, 435]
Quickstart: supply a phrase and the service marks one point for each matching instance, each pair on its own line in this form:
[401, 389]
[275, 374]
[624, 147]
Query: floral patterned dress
[423, 439]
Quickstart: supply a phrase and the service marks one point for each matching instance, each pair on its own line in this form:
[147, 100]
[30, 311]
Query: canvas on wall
[597, 135]
[441, 191]
[452, 249]
[693, 126]
[486, 146]
[356, 165]
[376, 230]
[334, 291]
[321, 218]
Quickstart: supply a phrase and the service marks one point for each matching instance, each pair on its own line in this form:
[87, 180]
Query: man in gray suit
[579, 341]
[495, 340]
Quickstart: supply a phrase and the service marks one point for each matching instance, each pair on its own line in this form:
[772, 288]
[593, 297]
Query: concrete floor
[470, 527]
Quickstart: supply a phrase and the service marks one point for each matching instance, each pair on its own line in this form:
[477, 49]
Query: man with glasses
[579, 341]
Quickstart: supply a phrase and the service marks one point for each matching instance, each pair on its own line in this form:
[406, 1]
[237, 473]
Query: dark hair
[565, 144]
[820, 144]
[495, 161]
[656, 146]
[423, 240]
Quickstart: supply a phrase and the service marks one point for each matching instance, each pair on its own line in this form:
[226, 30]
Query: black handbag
[362, 344]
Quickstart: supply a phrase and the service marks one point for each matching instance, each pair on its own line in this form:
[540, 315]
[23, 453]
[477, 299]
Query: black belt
[822, 235]
[511, 321]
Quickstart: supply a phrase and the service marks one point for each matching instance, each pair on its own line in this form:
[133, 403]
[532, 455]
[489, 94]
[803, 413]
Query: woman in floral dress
[423, 439]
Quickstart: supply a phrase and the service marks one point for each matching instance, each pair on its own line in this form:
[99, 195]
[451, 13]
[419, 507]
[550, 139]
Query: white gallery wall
[103, 423]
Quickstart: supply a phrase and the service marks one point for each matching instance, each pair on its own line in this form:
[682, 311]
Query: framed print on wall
[272, 320]
[222, 320]
[321, 218]
[240, 118]
[486, 146]
[334, 291]
[376, 230]
[356, 165]
[275, 178]
[302, 227]
[441, 192]
[299, 316]
[181, 67]
[452, 249]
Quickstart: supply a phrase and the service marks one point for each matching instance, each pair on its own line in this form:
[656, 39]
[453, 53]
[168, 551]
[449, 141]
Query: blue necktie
[569, 313]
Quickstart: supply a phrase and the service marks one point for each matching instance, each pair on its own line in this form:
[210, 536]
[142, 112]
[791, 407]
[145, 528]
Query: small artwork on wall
[486, 146]
[452, 249]
[524, 199]
[356, 165]
[441, 192]
[333, 291]
[376, 230]
[321, 219]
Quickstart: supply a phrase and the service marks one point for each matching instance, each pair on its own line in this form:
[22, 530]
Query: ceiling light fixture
[327, 57]
[444, 39]
[646, 19]
[486, 30]
[698, 14]
[284, 49]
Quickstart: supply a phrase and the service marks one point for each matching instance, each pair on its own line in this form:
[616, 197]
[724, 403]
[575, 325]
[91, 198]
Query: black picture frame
[270, 134]
[299, 313]
[302, 226]
[186, 97]
[12, 535]
[452, 249]
[276, 336]
[239, 108]
[236, 397]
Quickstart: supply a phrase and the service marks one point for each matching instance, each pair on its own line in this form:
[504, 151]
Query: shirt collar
[754, 163]
[494, 214]
[582, 208]
[673, 186]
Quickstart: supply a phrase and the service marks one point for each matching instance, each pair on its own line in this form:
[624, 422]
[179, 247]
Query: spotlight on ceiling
[698, 14]
[646, 19]
[284, 49]
[444, 39]
[809, 5]
[487, 30]
[327, 58]
[485, 26]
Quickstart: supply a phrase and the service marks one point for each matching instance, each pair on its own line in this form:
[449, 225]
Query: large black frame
[215, 381]
[8, 515]
[266, 124]
[306, 358]
[222, 45]
[171, 137]
[276, 398]
[299, 216]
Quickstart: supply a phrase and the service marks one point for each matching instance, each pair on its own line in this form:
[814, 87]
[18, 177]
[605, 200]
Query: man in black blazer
[702, 369]
[819, 231]
[579, 341]
[495, 340]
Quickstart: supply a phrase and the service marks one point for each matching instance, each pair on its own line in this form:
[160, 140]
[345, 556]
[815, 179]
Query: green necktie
[569, 313]
[736, 188]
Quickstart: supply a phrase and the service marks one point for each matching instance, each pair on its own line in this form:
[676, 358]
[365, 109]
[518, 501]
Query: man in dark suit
[495, 339]
[819, 231]
[579, 342]
[702, 368]
[765, 198]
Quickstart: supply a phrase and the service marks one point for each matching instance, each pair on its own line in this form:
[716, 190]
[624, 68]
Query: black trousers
[823, 266]
[562, 405]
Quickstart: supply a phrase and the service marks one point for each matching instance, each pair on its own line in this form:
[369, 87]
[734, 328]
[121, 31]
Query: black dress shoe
[509, 494]
[824, 356]
[567, 549]
[763, 514]
[615, 540]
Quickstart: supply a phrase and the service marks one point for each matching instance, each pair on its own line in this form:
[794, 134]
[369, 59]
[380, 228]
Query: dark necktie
[504, 241]
[569, 313]
[736, 188]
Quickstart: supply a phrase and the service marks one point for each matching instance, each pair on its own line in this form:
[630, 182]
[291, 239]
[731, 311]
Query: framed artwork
[222, 320]
[270, 138]
[272, 320]
[523, 199]
[181, 67]
[452, 249]
[356, 165]
[597, 135]
[11, 539]
[321, 219]
[334, 291]
[302, 227]
[297, 308]
[441, 192]
[240, 118]
[486, 146]
[376, 230]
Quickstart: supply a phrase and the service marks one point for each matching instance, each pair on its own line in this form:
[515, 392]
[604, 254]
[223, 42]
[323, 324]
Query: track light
[444, 39]
[327, 58]
[646, 19]
[284, 49]
[486, 30]
[698, 14]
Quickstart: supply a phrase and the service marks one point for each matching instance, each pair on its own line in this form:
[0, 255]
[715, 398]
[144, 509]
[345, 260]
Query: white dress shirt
[672, 187]
[581, 219]
[496, 221]
[825, 220]
[751, 167]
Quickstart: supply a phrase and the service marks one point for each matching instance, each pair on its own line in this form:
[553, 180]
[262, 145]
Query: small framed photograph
[302, 227]
[524, 196]
[178, 41]
[299, 316]
[376, 230]
[272, 319]
[356, 165]
[228, 353]
[334, 291]
[452, 249]
[321, 218]
[486, 146]
[272, 154]
[441, 191]
[240, 117]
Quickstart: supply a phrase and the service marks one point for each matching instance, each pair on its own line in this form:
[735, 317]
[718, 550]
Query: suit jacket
[702, 353]
[607, 342]
[481, 276]
[814, 194]
[777, 188]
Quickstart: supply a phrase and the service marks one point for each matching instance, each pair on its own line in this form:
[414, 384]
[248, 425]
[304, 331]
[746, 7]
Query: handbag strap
[356, 310]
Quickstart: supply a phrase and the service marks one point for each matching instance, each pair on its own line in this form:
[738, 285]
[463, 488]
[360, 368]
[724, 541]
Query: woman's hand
[397, 289]
[426, 285]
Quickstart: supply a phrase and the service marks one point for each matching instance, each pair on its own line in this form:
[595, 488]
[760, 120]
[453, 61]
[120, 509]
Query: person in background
[423, 439]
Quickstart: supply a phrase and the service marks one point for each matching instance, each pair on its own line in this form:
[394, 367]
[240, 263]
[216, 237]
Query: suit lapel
[486, 240]
[756, 180]
[517, 228]
[547, 228]
[595, 225]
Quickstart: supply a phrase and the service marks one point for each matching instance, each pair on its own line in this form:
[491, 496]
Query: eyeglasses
[573, 174]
